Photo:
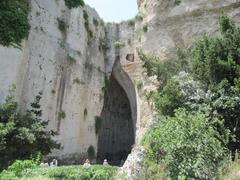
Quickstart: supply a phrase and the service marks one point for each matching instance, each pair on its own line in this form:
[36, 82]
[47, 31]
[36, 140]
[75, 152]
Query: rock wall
[172, 25]
[70, 66]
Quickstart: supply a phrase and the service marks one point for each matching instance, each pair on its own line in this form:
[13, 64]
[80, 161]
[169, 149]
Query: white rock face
[69, 67]
[133, 166]
[172, 26]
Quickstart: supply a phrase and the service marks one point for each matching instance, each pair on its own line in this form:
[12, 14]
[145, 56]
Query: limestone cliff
[72, 67]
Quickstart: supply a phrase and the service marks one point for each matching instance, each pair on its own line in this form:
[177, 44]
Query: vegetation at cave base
[34, 172]
[202, 87]
[14, 25]
[23, 135]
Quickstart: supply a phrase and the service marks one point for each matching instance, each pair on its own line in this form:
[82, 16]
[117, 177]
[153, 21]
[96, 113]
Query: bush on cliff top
[14, 25]
[74, 3]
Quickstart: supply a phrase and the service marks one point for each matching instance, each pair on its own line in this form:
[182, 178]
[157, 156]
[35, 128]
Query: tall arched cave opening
[117, 134]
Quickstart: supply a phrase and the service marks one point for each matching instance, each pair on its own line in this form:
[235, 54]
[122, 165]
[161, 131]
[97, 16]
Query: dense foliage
[74, 3]
[14, 24]
[166, 69]
[32, 171]
[218, 58]
[23, 135]
[188, 143]
[207, 86]
[18, 168]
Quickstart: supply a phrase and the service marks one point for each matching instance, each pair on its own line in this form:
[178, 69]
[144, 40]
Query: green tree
[188, 144]
[225, 100]
[218, 58]
[23, 135]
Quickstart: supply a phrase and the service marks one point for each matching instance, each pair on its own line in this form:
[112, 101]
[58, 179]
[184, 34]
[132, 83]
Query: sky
[114, 10]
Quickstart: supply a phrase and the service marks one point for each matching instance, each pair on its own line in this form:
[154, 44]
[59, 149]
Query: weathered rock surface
[133, 165]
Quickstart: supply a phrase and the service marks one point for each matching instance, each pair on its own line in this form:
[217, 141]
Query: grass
[94, 172]
[231, 171]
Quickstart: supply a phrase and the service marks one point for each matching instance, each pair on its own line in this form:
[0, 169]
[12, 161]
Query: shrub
[177, 2]
[95, 22]
[85, 15]
[62, 26]
[145, 28]
[119, 44]
[164, 70]
[131, 22]
[20, 166]
[101, 22]
[61, 115]
[188, 144]
[87, 26]
[225, 100]
[103, 45]
[14, 25]
[180, 91]
[139, 84]
[139, 17]
[74, 3]
[8, 175]
[218, 58]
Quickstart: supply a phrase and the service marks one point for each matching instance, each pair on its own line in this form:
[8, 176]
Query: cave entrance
[116, 136]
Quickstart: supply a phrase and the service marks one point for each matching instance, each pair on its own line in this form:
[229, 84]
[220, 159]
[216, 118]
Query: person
[105, 163]
[87, 164]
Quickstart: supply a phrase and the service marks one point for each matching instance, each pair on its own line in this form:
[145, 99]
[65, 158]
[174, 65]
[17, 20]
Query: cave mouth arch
[117, 134]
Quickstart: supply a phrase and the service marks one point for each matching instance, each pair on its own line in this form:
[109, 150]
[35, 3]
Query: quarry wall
[71, 67]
